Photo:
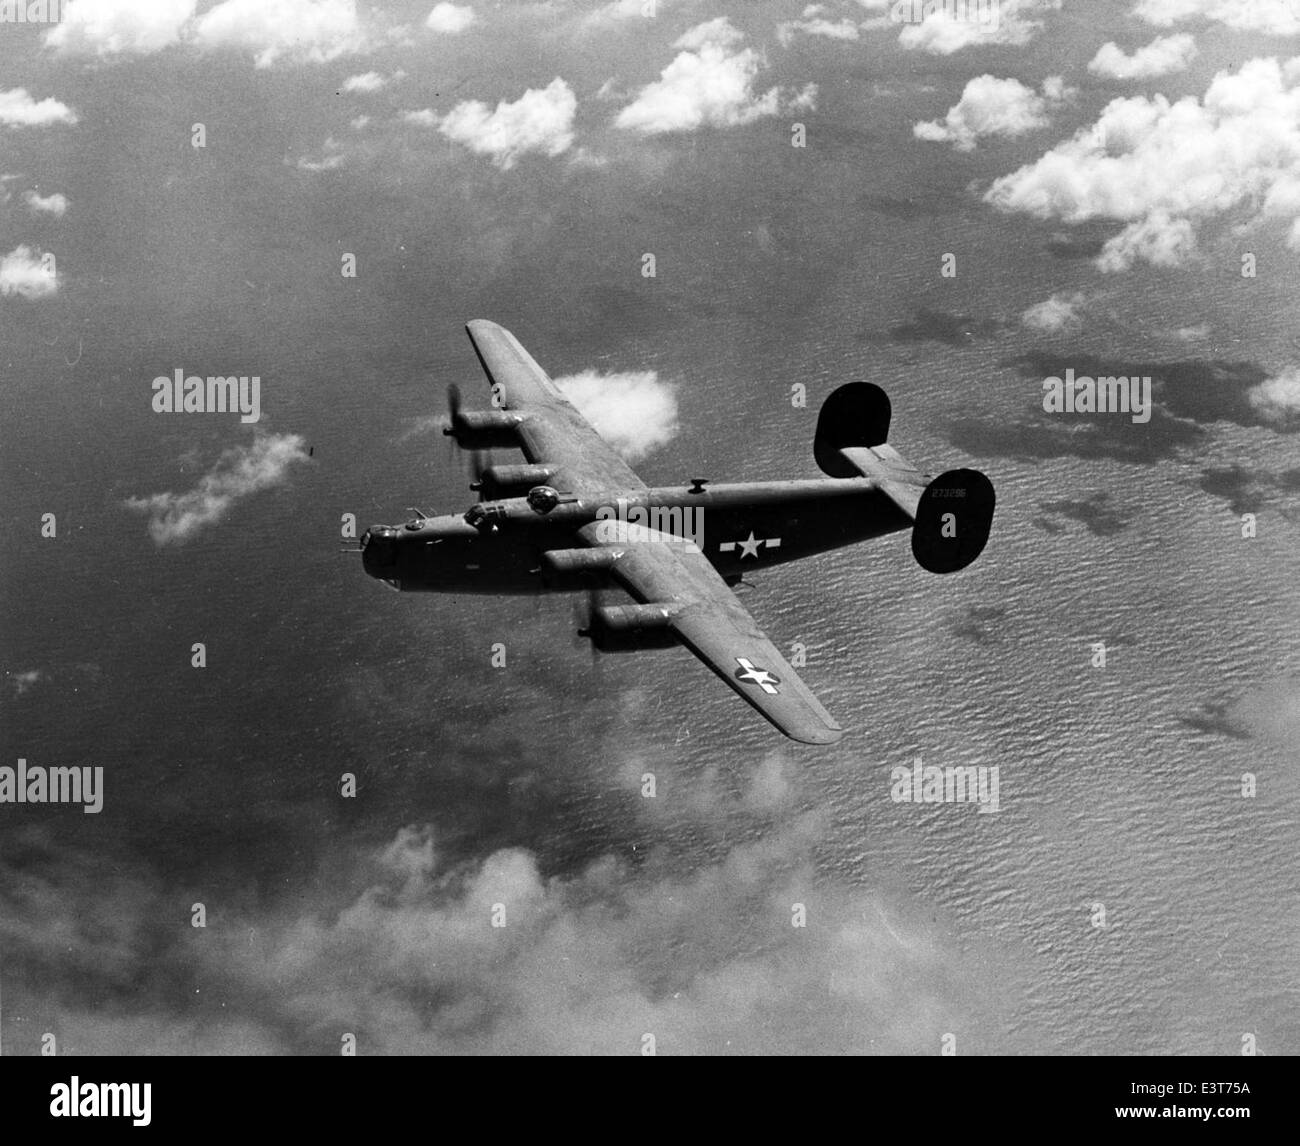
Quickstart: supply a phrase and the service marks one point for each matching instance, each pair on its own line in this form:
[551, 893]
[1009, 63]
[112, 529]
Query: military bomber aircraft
[575, 517]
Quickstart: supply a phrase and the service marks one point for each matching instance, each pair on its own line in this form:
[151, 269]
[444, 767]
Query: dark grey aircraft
[575, 517]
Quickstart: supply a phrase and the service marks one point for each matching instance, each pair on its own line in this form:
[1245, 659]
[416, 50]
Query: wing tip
[823, 735]
[481, 326]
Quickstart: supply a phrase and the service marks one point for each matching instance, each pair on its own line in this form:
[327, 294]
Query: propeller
[453, 407]
[453, 416]
[584, 609]
[479, 460]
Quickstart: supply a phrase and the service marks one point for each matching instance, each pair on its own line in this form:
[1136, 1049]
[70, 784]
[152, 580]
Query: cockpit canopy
[486, 515]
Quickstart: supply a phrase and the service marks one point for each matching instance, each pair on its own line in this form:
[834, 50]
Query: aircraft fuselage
[740, 527]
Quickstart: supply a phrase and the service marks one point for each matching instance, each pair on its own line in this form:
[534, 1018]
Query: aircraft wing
[551, 432]
[706, 616]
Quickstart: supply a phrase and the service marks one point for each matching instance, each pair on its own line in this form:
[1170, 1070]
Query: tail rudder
[952, 514]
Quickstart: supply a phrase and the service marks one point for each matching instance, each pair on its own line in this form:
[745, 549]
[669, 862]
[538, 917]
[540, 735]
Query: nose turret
[379, 552]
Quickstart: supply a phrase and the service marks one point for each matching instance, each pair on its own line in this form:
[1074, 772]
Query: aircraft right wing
[707, 618]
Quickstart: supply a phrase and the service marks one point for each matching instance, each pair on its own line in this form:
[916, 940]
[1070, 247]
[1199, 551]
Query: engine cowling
[484, 429]
[630, 628]
[512, 480]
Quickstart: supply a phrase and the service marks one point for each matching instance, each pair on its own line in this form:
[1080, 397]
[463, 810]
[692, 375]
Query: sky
[958, 205]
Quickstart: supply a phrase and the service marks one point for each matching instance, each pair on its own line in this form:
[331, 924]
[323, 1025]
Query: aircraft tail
[952, 514]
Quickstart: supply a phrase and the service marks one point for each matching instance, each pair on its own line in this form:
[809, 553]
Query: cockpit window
[486, 515]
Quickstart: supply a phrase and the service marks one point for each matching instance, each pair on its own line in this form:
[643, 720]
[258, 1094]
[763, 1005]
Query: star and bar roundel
[750, 673]
[749, 546]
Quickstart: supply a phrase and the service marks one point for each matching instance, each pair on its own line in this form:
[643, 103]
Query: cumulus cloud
[18, 109]
[106, 27]
[633, 411]
[540, 120]
[1163, 56]
[25, 681]
[1271, 17]
[709, 84]
[305, 30]
[990, 106]
[450, 18]
[365, 82]
[942, 29]
[1055, 314]
[27, 272]
[814, 23]
[55, 204]
[616, 11]
[332, 156]
[1278, 399]
[175, 518]
[310, 30]
[1164, 168]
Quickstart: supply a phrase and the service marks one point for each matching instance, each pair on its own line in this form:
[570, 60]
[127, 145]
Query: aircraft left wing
[705, 615]
[551, 431]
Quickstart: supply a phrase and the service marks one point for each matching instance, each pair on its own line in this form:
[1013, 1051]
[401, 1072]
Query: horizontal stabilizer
[951, 514]
[901, 480]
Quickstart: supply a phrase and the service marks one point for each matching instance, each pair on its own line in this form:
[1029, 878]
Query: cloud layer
[302, 30]
[710, 83]
[990, 106]
[1055, 314]
[175, 518]
[1271, 17]
[1163, 56]
[1165, 169]
[449, 18]
[634, 411]
[107, 27]
[1278, 399]
[947, 28]
[24, 272]
[540, 120]
[402, 953]
[18, 109]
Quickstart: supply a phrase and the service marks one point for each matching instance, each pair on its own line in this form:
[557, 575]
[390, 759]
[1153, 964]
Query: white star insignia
[749, 546]
[752, 674]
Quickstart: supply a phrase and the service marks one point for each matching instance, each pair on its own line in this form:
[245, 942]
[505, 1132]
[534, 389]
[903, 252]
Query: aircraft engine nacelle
[484, 429]
[511, 480]
[953, 519]
[630, 628]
